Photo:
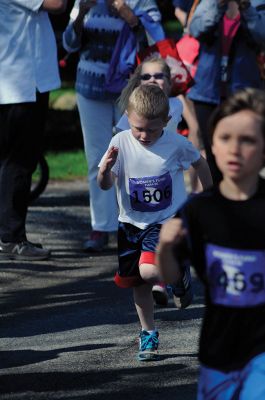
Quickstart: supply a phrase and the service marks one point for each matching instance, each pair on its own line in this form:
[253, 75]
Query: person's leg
[137, 270]
[144, 305]
[183, 291]
[143, 300]
[97, 118]
[21, 137]
[160, 295]
[129, 253]
[203, 113]
[143, 294]
[148, 337]
[189, 124]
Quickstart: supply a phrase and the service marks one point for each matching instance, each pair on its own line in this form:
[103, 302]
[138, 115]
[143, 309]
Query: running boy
[146, 163]
[155, 71]
[224, 231]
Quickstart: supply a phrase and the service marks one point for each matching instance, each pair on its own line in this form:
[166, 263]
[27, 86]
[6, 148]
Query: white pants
[97, 121]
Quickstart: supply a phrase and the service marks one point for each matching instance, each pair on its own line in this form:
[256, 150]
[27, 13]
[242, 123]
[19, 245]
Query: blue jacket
[242, 63]
[123, 58]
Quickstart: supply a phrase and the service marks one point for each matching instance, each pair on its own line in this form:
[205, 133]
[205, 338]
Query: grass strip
[65, 165]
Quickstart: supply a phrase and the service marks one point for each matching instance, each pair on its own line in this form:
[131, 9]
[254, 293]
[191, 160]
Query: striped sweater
[96, 45]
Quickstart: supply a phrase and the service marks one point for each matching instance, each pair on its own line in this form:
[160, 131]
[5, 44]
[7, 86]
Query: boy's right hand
[110, 159]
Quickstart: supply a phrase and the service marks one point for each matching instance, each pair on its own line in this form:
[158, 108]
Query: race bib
[236, 277]
[152, 193]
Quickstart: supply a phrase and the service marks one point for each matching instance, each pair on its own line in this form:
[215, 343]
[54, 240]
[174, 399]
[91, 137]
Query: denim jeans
[97, 120]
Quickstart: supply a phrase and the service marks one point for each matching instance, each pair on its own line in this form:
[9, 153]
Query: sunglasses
[147, 77]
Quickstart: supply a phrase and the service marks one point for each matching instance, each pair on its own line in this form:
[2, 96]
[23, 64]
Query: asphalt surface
[67, 332]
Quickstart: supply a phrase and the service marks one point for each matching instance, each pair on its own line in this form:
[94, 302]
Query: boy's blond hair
[149, 101]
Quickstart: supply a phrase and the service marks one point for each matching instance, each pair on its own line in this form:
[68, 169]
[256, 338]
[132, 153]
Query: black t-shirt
[227, 243]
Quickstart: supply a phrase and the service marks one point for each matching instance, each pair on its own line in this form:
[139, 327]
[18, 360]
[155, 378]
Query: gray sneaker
[98, 240]
[24, 251]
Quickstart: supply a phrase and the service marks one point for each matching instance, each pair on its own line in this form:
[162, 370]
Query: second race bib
[236, 277]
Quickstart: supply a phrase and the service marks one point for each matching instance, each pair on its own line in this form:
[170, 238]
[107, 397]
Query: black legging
[21, 137]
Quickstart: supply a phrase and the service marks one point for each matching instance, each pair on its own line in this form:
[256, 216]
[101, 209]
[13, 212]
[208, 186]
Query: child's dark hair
[246, 99]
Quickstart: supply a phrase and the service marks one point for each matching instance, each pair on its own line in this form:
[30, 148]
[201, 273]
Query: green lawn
[55, 94]
[66, 165]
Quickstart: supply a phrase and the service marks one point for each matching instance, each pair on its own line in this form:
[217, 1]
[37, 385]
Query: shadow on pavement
[101, 383]
[67, 332]
[17, 358]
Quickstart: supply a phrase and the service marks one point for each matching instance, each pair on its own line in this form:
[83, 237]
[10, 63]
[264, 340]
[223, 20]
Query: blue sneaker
[148, 346]
[183, 292]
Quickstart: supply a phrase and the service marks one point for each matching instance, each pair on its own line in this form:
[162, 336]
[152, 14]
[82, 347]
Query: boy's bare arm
[105, 176]
[172, 233]
[203, 171]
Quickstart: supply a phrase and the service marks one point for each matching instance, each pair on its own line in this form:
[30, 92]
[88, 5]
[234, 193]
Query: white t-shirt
[150, 182]
[28, 54]
[175, 112]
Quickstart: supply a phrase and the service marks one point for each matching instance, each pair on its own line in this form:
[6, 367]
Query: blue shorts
[245, 384]
[135, 247]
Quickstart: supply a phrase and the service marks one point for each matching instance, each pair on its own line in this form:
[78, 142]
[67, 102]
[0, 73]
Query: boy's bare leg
[148, 338]
[143, 297]
[144, 304]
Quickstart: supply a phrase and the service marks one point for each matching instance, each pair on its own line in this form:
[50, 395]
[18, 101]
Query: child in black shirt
[222, 232]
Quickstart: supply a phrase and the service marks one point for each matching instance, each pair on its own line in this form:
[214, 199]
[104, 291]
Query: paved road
[67, 332]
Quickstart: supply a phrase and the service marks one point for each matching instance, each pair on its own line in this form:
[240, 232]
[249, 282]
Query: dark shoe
[183, 293]
[98, 240]
[24, 251]
[148, 346]
[160, 296]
